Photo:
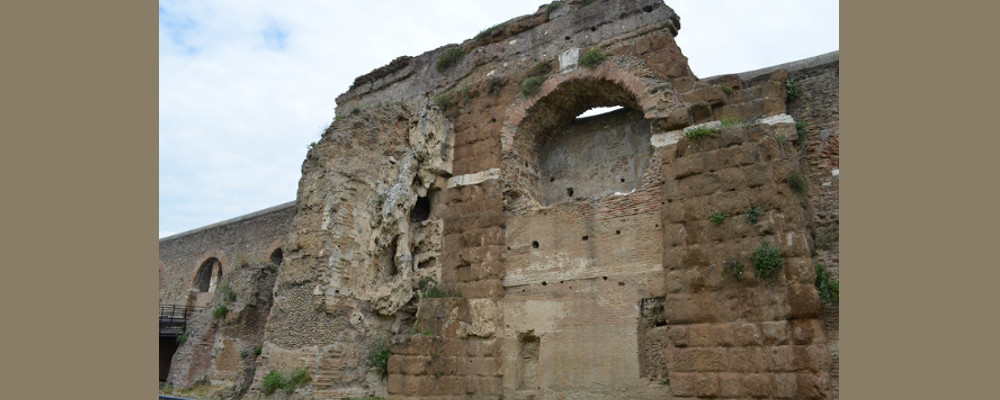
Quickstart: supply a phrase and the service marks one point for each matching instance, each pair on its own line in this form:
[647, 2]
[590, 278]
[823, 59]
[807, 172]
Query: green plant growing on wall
[532, 85]
[495, 85]
[228, 295]
[793, 90]
[592, 58]
[753, 214]
[257, 350]
[445, 101]
[485, 33]
[718, 218]
[449, 58]
[182, 338]
[828, 288]
[734, 268]
[549, 8]
[431, 290]
[378, 356]
[797, 182]
[803, 136]
[729, 120]
[700, 132]
[825, 239]
[726, 89]
[220, 311]
[272, 382]
[767, 261]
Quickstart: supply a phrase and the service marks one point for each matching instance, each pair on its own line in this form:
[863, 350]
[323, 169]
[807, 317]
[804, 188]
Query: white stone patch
[473, 179]
[512, 42]
[836, 173]
[568, 59]
[672, 137]
[624, 194]
[778, 119]
[827, 184]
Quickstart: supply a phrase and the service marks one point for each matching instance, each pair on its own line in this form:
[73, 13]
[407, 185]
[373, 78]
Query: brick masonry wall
[247, 239]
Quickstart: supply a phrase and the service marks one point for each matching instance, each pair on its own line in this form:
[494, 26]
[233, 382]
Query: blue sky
[245, 86]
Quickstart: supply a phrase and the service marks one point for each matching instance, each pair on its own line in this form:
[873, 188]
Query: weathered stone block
[689, 165]
[775, 332]
[803, 301]
[812, 385]
[707, 385]
[684, 384]
[782, 358]
[785, 385]
[758, 385]
[747, 359]
[730, 385]
[806, 331]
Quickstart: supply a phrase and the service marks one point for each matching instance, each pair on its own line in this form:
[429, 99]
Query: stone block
[812, 385]
[678, 335]
[730, 385]
[725, 334]
[782, 358]
[806, 331]
[785, 385]
[775, 332]
[758, 385]
[803, 301]
[702, 335]
[708, 94]
[732, 178]
[683, 384]
[689, 165]
[394, 384]
[757, 175]
[483, 347]
[747, 359]
[707, 385]
[749, 334]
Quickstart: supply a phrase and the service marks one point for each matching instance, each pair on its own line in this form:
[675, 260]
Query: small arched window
[208, 275]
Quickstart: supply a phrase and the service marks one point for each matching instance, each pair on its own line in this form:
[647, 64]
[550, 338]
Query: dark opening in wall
[421, 210]
[208, 275]
[277, 256]
[534, 244]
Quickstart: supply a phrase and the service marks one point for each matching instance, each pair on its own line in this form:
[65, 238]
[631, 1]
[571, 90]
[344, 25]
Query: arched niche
[558, 157]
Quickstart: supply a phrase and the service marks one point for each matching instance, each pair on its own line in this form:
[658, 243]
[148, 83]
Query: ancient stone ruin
[459, 233]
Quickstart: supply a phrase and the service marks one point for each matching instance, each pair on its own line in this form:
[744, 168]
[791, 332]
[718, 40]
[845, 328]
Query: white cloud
[246, 85]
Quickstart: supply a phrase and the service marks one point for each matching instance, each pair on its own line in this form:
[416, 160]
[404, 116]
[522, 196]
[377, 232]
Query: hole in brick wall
[567, 37]
[337, 291]
[560, 282]
[605, 278]
[569, 192]
[618, 232]
[544, 283]
[421, 210]
[534, 243]
[585, 238]
[593, 29]
[277, 256]
[552, 179]
[647, 9]
[621, 283]
[621, 179]
[492, 120]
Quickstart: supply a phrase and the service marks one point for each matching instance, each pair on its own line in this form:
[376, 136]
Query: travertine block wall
[747, 338]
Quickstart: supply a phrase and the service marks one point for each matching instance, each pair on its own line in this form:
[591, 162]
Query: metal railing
[173, 318]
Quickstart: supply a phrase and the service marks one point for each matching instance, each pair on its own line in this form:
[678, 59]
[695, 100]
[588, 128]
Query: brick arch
[200, 261]
[529, 121]
[277, 245]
